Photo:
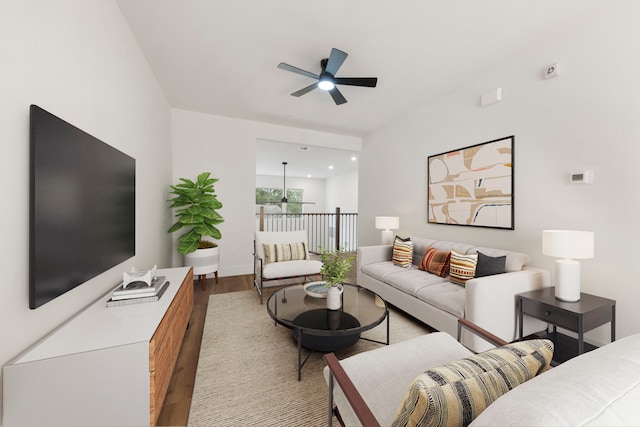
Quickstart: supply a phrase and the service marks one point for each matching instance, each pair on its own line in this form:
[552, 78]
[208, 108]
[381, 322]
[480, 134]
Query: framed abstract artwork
[472, 186]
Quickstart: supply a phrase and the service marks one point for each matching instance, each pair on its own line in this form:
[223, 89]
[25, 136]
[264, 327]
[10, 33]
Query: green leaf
[191, 219]
[188, 247]
[189, 236]
[175, 227]
[208, 230]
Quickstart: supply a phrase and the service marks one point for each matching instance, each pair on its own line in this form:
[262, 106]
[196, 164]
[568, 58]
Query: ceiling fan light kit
[326, 80]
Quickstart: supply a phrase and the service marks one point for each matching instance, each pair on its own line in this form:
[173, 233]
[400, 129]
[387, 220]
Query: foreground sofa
[601, 387]
[489, 302]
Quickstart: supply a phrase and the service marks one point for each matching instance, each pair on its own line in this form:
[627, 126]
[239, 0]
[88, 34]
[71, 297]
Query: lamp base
[567, 272]
[387, 237]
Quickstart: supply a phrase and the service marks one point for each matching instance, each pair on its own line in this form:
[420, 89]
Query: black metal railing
[324, 230]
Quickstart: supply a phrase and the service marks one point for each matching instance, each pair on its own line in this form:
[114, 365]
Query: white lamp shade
[387, 222]
[568, 244]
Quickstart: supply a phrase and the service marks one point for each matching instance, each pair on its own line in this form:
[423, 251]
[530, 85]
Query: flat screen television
[82, 207]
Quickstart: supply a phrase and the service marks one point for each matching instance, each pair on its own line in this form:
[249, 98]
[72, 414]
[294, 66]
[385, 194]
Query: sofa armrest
[373, 254]
[350, 391]
[491, 303]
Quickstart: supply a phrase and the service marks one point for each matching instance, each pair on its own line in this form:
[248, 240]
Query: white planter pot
[203, 261]
[334, 297]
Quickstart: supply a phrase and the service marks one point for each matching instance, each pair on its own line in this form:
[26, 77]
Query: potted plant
[196, 209]
[335, 265]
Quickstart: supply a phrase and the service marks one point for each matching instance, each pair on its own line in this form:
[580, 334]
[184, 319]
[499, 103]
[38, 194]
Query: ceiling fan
[284, 190]
[327, 79]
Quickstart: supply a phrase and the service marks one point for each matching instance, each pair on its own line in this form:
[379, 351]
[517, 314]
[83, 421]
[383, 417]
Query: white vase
[334, 297]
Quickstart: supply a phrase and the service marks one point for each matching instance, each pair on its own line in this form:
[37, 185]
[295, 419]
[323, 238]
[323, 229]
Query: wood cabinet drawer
[550, 314]
[165, 345]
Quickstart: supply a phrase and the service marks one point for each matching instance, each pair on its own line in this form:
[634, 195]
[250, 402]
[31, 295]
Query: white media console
[105, 366]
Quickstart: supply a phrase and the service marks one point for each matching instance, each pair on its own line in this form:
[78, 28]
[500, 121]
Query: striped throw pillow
[285, 252]
[455, 393]
[462, 267]
[435, 261]
[402, 252]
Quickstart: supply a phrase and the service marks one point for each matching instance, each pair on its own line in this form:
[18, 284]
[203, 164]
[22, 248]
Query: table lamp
[386, 224]
[567, 245]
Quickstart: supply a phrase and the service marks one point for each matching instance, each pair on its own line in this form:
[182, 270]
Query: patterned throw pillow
[435, 261]
[402, 252]
[455, 393]
[488, 265]
[285, 252]
[462, 267]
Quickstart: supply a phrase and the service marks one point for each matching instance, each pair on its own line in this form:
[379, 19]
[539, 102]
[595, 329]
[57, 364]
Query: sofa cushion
[382, 270]
[598, 388]
[276, 270]
[455, 393]
[278, 252]
[444, 295]
[515, 260]
[436, 262]
[462, 267]
[461, 248]
[420, 245]
[402, 254]
[488, 265]
[413, 281]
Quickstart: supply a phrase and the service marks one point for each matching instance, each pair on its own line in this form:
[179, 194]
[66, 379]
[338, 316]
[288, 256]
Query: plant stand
[204, 261]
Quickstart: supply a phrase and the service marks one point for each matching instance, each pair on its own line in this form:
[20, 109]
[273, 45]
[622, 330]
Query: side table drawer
[550, 314]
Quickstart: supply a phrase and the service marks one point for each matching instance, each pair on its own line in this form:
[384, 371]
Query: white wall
[226, 147]
[587, 118]
[342, 192]
[78, 60]
[313, 190]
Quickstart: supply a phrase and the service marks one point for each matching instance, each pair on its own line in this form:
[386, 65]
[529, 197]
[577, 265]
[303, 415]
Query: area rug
[247, 369]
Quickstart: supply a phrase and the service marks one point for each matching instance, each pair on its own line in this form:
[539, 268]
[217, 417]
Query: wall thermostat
[581, 177]
[551, 71]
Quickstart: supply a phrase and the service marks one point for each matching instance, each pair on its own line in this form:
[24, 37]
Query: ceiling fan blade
[337, 96]
[297, 70]
[305, 90]
[357, 81]
[336, 59]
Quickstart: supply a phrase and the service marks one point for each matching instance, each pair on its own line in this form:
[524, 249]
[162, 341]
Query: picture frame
[473, 186]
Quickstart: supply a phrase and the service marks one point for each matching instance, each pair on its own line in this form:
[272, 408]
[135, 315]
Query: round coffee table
[319, 329]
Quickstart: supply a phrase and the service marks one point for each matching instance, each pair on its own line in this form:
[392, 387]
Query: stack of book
[138, 292]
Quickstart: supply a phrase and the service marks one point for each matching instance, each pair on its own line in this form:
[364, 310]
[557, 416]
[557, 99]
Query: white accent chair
[265, 272]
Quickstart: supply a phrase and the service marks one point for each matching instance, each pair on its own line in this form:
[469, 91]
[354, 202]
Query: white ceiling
[310, 162]
[220, 57]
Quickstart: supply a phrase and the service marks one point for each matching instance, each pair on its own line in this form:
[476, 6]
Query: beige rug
[247, 370]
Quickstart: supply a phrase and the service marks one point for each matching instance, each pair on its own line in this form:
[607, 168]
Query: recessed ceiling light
[354, 158]
[303, 148]
[308, 175]
[330, 167]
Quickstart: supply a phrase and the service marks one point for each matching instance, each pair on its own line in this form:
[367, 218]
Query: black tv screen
[82, 207]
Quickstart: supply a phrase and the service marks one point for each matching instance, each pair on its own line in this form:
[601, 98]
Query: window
[271, 199]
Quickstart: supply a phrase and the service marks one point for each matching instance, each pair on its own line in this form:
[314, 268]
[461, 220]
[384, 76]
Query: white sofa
[489, 302]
